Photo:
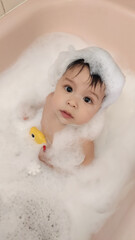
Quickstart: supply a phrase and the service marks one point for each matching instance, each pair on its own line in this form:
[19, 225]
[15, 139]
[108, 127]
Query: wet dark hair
[95, 78]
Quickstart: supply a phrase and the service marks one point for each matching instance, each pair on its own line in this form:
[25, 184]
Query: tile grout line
[3, 6]
[8, 11]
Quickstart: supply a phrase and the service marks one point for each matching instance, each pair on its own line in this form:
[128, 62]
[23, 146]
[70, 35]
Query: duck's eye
[87, 100]
[32, 135]
[68, 88]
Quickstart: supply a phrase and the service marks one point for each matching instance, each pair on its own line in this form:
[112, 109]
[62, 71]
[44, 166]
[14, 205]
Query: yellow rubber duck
[37, 135]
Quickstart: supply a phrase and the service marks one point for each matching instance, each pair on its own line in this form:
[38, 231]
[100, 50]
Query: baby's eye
[87, 100]
[68, 88]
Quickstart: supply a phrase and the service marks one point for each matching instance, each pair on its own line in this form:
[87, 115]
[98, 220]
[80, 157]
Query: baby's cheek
[85, 117]
[56, 103]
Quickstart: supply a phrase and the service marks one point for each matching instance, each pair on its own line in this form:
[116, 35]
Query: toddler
[87, 81]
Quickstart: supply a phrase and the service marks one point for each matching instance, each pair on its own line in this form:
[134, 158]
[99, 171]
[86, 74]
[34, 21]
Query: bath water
[37, 202]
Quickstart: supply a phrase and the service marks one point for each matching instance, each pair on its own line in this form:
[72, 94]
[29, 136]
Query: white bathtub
[107, 24]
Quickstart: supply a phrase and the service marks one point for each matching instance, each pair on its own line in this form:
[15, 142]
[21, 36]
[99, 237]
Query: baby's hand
[42, 157]
[26, 111]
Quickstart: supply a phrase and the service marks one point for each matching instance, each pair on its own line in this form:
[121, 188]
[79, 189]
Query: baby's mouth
[66, 114]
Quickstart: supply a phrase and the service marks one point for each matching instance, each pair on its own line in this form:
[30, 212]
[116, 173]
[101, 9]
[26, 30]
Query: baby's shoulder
[88, 150]
[87, 145]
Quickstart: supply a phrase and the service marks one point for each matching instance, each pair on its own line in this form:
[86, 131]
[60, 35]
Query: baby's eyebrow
[68, 79]
[95, 95]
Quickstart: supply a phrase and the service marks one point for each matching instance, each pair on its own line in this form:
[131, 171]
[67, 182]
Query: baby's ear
[71, 48]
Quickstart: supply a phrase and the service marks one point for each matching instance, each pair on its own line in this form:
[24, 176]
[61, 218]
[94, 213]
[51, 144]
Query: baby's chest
[49, 125]
[48, 128]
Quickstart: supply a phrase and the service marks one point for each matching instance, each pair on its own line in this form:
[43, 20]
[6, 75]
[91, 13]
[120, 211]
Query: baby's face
[74, 100]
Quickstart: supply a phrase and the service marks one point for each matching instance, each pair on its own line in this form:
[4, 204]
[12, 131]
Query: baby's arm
[42, 157]
[88, 149]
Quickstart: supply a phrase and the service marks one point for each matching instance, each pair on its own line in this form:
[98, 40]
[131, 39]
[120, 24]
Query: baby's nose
[72, 103]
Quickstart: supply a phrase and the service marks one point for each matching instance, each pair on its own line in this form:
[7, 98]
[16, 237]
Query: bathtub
[108, 24]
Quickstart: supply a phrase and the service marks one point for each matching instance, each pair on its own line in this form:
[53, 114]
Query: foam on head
[100, 62]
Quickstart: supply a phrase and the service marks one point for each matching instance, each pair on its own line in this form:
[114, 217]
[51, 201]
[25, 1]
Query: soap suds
[37, 202]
